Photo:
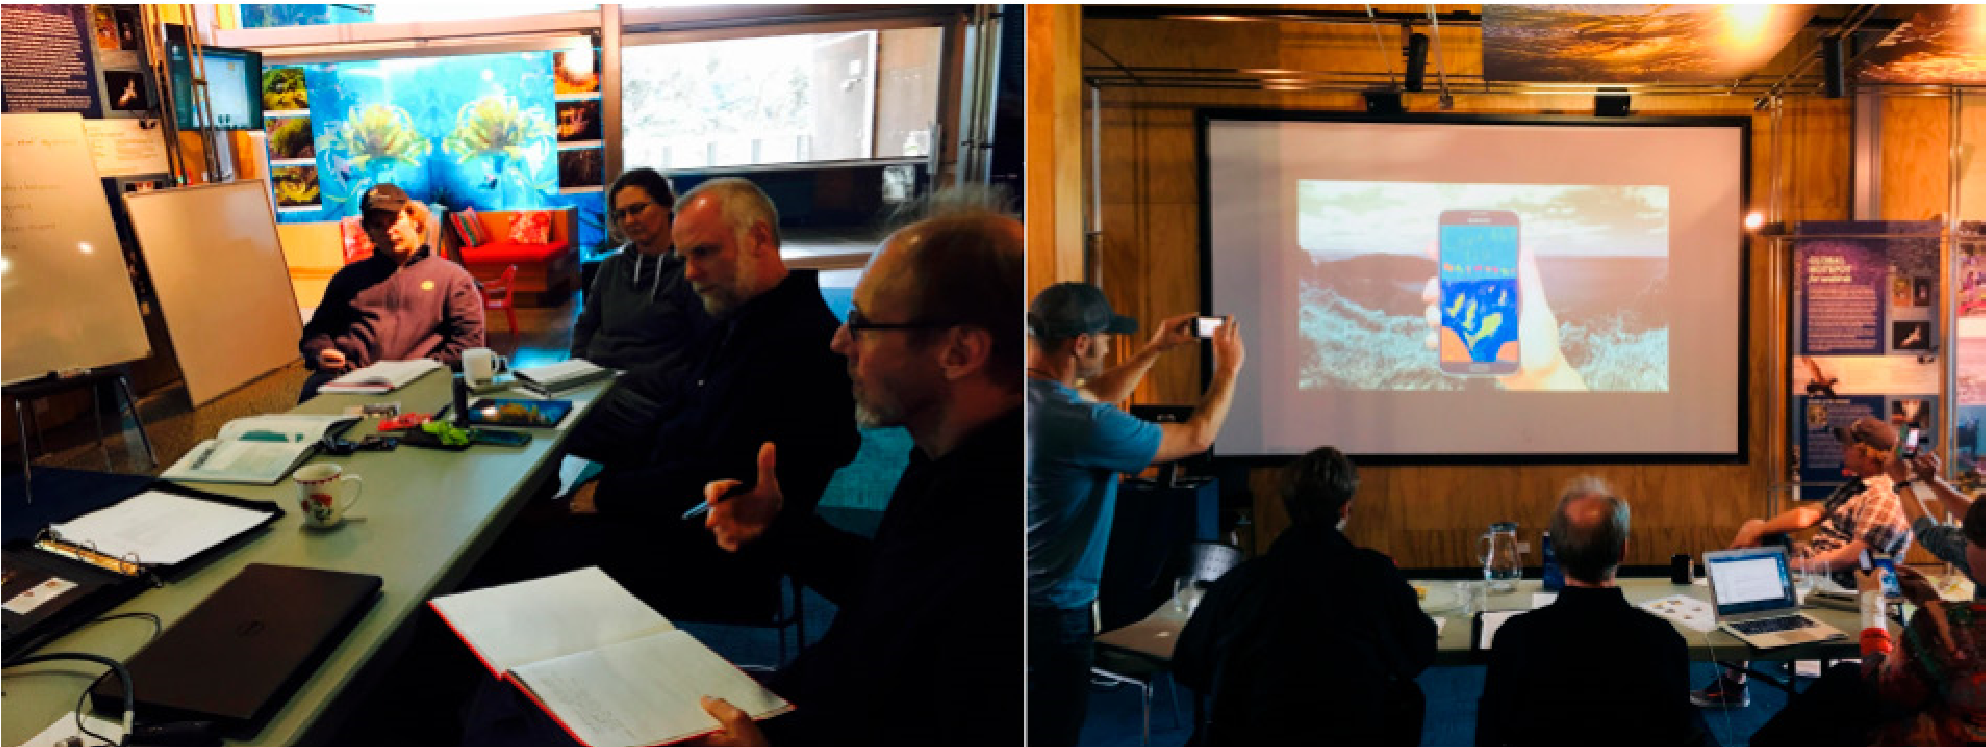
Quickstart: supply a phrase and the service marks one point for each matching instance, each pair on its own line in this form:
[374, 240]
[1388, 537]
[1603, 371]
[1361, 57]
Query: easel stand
[36, 389]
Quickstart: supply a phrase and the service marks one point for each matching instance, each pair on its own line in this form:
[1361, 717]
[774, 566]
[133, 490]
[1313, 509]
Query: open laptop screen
[1749, 580]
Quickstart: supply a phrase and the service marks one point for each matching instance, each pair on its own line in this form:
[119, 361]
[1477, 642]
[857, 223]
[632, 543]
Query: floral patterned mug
[319, 487]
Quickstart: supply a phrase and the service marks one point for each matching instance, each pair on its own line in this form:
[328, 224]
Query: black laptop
[239, 655]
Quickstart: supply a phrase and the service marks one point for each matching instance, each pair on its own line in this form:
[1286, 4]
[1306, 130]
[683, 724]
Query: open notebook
[258, 449]
[381, 377]
[611, 670]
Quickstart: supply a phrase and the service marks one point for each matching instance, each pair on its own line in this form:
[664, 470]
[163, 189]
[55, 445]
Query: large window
[780, 99]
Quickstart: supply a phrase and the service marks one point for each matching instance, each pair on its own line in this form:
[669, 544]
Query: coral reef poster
[470, 131]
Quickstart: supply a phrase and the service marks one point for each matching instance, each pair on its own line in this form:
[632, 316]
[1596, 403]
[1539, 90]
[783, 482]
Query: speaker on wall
[1416, 62]
[1611, 101]
[1835, 79]
[1384, 102]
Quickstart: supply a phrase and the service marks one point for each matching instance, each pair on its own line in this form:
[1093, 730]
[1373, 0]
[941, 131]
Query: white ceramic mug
[319, 487]
[481, 365]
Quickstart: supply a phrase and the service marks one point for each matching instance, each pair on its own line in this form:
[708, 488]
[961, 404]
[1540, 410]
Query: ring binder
[48, 540]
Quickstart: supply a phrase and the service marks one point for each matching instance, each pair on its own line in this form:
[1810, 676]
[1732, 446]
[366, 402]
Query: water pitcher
[1498, 551]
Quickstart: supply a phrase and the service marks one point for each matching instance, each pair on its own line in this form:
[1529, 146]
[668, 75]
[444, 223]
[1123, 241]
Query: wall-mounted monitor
[234, 86]
[1441, 289]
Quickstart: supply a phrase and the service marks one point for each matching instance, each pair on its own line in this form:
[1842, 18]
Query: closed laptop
[238, 656]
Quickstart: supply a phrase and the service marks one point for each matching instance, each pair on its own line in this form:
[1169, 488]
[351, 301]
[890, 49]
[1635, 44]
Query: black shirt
[1316, 642]
[926, 648]
[1588, 669]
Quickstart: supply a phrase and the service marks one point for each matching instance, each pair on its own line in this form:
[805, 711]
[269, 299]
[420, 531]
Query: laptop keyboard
[1773, 624]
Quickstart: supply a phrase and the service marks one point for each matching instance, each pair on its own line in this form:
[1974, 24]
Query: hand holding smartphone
[1908, 449]
[1204, 327]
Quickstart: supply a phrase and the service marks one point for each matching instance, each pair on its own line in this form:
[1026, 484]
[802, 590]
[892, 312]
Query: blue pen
[704, 507]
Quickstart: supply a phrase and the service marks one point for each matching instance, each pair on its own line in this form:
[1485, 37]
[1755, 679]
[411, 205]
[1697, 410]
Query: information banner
[45, 66]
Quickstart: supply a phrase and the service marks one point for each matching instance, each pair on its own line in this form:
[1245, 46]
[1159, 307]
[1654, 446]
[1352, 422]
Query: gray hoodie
[639, 311]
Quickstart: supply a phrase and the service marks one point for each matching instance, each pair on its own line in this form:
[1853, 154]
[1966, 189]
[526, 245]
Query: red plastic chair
[497, 295]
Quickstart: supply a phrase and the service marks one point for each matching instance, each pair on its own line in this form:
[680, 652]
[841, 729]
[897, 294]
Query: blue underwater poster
[474, 131]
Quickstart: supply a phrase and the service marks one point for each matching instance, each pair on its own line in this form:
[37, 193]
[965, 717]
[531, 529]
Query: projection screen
[1479, 289]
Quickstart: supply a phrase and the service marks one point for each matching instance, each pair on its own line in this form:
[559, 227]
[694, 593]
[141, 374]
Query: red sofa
[546, 273]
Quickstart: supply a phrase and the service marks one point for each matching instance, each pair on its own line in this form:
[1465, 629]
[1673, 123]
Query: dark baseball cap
[1868, 430]
[1065, 310]
[385, 197]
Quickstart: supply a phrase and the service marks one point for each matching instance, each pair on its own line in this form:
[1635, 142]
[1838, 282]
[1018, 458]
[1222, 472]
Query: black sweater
[374, 310]
[1306, 644]
[1588, 669]
[639, 312]
[764, 373]
[926, 646]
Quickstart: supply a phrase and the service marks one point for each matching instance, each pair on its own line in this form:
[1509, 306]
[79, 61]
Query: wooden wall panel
[1431, 517]
[1054, 148]
[1916, 158]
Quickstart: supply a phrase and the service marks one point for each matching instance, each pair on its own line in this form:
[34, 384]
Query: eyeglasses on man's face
[859, 322]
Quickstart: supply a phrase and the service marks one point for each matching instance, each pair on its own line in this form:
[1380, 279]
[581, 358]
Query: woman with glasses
[639, 311]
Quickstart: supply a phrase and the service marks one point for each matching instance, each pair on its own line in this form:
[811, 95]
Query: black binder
[101, 582]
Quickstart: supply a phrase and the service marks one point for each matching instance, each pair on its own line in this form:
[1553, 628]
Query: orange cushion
[530, 227]
[510, 252]
[357, 245]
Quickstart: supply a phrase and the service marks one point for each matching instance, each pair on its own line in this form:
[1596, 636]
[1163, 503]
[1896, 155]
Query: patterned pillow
[531, 227]
[468, 227]
[357, 245]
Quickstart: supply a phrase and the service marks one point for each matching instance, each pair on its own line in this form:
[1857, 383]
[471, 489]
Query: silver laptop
[1753, 592]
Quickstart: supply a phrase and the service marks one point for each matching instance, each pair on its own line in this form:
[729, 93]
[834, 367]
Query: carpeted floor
[1114, 717]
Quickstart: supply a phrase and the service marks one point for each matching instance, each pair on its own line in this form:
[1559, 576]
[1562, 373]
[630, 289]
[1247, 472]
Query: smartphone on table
[1479, 293]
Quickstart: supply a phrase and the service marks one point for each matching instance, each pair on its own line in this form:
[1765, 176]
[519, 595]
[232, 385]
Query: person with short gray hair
[1546, 685]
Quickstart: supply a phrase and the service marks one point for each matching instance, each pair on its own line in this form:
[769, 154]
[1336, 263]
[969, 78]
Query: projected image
[1415, 286]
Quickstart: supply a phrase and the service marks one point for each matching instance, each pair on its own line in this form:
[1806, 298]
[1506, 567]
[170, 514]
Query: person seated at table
[1078, 444]
[1316, 642]
[1863, 514]
[926, 638]
[1589, 668]
[764, 373]
[402, 303]
[640, 311]
[1944, 541]
[1926, 688]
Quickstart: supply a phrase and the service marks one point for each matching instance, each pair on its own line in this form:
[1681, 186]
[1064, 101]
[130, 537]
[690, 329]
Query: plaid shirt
[1873, 516]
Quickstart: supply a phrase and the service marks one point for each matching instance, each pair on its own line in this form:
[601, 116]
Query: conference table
[427, 516]
[1155, 635]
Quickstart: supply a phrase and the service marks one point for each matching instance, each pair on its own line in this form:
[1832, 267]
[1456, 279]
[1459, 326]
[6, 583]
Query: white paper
[65, 727]
[1686, 611]
[1440, 624]
[1543, 598]
[1492, 621]
[516, 624]
[643, 691]
[382, 376]
[158, 528]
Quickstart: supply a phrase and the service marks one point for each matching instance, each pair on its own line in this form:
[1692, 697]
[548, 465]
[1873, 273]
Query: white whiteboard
[64, 289]
[222, 283]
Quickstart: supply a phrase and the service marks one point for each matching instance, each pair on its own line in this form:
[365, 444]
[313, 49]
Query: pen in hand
[704, 507]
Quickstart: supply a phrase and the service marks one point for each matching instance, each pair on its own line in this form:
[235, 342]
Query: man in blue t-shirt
[1078, 442]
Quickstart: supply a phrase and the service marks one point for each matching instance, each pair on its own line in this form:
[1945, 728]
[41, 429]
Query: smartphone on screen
[1479, 293]
[1205, 326]
[1908, 449]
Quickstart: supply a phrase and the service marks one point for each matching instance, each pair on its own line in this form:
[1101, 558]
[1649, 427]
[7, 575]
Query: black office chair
[782, 606]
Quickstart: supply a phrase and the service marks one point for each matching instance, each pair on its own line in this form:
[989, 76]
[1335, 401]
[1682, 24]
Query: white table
[429, 516]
